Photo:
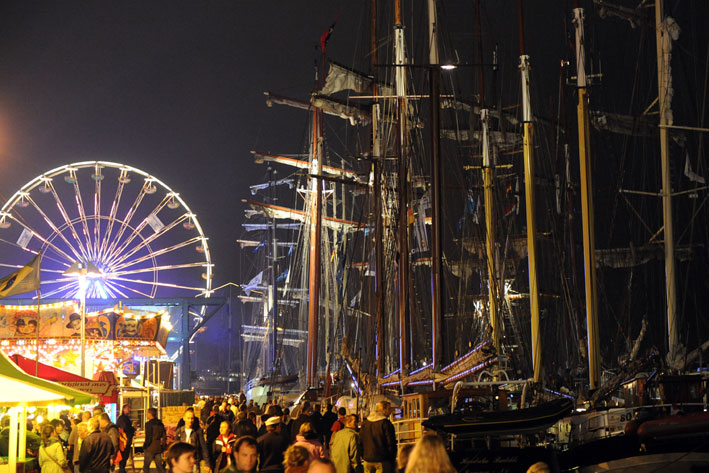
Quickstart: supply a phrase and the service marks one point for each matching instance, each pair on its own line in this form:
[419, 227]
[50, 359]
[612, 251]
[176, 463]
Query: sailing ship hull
[629, 453]
[518, 421]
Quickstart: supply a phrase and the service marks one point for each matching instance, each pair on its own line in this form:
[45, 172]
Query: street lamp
[83, 270]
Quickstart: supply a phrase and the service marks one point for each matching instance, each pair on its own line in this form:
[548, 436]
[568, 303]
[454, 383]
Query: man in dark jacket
[96, 450]
[125, 425]
[243, 426]
[378, 441]
[194, 437]
[271, 446]
[306, 415]
[110, 429]
[155, 442]
[211, 429]
[328, 418]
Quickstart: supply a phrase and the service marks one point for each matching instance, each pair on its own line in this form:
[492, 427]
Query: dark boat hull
[629, 453]
[519, 421]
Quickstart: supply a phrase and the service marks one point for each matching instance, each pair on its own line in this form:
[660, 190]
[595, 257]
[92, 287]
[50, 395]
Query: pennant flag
[513, 200]
[693, 176]
[253, 284]
[476, 214]
[26, 279]
[326, 36]
[283, 276]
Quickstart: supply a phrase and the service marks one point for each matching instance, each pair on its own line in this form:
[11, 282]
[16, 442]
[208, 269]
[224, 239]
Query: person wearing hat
[272, 445]
[74, 325]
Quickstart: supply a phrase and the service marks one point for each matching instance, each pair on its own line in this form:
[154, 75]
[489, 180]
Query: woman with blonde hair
[429, 456]
[51, 454]
[308, 439]
[296, 459]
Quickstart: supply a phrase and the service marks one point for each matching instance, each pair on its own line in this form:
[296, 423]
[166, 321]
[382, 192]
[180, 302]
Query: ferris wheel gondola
[139, 233]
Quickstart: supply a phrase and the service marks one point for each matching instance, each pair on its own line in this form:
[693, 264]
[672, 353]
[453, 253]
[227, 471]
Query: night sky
[172, 88]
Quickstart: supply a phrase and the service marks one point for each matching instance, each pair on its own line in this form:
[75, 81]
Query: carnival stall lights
[112, 336]
[21, 392]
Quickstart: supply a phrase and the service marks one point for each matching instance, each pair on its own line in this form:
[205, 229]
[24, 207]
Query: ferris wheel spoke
[153, 254]
[97, 177]
[112, 215]
[43, 240]
[82, 217]
[53, 226]
[111, 288]
[54, 271]
[71, 286]
[67, 220]
[125, 223]
[147, 241]
[128, 288]
[157, 268]
[119, 254]
[160, 284]
[12, 243]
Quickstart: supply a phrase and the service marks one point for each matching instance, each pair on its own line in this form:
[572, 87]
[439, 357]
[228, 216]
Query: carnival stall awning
[22, 389]
[104, 389]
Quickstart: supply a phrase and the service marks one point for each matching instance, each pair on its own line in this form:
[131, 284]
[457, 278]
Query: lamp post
[83, 270]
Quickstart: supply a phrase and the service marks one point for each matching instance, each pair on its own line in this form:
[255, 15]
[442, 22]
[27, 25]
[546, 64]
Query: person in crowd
[226, 413]
[4, 436]
[155, 442]
[345, 449]
[296, 459]
[306, 415]
[321, 465]
[51, 453]
[73, 441]
[234, 409]
[270, 412]
[98, 410]
[328, 419]
[378, 440]
[62, 434]
[206, 410]
[110, 429]
[194, 437]
[195, 421]
[223, 448]
[246, 454]
[252, 418]
[212, 432]
[317, 422]
[286, 421]
[80, 432]
[180, 458]
[539, 467]
[126, 426]
[64, 417]
[340, 422]
[402, 458]
[308, 438]
[96, 450]
[429, 456]
[272, 445]
[244, 426]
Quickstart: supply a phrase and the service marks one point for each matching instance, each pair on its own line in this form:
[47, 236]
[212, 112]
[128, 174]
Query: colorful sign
[63, 320]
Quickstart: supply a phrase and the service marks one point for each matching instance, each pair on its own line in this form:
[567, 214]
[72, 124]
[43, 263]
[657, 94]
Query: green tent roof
[20, 388]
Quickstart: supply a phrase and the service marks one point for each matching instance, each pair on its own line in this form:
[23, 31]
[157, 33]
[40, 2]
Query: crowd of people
[233, 436]
[90, 442]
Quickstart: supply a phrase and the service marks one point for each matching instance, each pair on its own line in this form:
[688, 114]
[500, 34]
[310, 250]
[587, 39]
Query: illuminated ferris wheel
[140, 235]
